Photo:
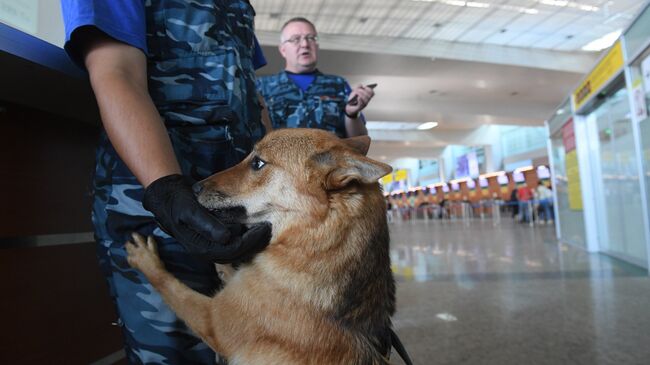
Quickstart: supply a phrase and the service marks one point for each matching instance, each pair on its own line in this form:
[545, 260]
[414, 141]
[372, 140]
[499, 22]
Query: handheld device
[355, 99]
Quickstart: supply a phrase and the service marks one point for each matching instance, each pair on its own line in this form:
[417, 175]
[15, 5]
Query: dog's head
[292, 176]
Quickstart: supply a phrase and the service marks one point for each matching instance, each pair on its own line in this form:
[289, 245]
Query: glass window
[616, 179]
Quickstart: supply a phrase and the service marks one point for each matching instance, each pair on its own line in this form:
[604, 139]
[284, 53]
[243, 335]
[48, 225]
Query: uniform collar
[316, 72]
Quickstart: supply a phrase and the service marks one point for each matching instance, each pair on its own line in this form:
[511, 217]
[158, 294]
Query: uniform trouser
[152, 332]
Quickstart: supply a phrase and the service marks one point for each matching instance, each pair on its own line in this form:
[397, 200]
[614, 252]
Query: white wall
[40, 18]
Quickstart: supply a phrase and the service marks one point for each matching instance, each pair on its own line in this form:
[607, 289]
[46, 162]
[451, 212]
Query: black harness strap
[399, 347]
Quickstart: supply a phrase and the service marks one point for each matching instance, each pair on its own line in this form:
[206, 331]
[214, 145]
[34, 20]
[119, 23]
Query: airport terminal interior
[518, 204]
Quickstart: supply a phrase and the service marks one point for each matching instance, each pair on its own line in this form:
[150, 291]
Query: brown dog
[322, 292]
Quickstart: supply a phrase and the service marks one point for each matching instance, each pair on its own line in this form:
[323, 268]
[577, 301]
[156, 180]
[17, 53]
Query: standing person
[524, 195]
[302, 96]
[545, 197]
[174, 81]
[514, 202]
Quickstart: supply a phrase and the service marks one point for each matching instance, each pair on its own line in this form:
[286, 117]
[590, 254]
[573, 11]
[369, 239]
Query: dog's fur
[322, 292]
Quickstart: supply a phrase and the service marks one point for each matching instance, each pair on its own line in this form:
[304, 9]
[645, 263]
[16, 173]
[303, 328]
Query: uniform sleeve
[123, 20]
[259, 60]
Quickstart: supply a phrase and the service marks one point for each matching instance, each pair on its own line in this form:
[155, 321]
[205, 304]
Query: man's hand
[177, 211]
[363, 95]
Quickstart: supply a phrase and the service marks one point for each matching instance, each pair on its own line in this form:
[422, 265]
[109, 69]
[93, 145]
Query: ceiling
[546, 24]
[465, 65]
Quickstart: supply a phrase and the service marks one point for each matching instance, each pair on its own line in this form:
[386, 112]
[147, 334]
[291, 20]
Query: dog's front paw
[143, 255]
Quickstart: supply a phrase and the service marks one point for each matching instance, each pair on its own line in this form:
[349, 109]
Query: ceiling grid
[565, 25]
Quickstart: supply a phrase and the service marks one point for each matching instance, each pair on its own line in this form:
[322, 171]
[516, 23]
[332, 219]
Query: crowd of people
[526, 205]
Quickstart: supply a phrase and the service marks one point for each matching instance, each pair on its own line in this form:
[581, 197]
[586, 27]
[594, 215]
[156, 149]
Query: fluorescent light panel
[399, 126]
[521, 9]
[603, 42]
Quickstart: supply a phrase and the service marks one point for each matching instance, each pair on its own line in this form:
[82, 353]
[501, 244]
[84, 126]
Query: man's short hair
[297, 19]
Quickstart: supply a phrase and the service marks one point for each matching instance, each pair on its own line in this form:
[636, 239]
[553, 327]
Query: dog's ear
[356, 168]
[360, 144]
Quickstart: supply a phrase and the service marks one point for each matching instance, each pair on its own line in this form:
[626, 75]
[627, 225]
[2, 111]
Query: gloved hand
[175, 208]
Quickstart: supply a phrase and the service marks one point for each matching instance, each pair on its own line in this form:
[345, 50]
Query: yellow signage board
[573, 177]
[400, 175]
[603, 72]
[387, 179]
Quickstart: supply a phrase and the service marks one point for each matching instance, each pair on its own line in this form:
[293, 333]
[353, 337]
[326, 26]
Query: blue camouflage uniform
[201, 79]
[320, 105]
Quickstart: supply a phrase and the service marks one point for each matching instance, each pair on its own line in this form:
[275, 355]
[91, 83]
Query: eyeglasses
[296, 39]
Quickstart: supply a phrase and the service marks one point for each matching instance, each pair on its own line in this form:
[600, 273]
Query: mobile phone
[354, 100]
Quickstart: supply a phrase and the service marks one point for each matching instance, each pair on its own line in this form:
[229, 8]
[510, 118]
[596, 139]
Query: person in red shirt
[525, 195]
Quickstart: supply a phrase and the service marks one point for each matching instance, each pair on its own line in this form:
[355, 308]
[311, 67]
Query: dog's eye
[257, 163]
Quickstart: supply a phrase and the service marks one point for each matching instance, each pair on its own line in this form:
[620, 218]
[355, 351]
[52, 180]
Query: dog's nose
[197, 187]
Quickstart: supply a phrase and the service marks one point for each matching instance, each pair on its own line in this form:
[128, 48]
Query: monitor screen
[502, 179]
[455, 186]
[471, 184]
[483, 182]
[445, 188]
[543, 172]
[518, 176]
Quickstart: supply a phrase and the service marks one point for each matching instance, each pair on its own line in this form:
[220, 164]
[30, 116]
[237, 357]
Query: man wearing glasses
[301, 96]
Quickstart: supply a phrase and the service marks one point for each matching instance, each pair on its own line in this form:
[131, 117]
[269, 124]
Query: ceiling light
[519, 9]
[603, 42]
[473, 4]
[427, 125]
[454, 2]
[570, 4]
[554, 2]
[392, 126]
[529, 11]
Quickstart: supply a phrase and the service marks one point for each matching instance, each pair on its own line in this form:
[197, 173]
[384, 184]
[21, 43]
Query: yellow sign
[573, 177]
[504, 190]
[387, 179]
[603, 72]
[400, 175]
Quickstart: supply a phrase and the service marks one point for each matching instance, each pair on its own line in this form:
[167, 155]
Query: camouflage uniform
[322, 105]
[201, 78]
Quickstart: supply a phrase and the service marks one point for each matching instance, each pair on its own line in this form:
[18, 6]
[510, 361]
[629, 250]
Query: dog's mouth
[230, 215]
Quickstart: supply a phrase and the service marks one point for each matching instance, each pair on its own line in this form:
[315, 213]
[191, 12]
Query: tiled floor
[478, 294]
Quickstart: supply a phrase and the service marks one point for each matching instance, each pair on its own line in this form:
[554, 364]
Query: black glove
[175, 208]
[242, 248]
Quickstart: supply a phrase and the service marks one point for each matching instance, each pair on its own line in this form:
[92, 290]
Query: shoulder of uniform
[334, 79]
[266, 78]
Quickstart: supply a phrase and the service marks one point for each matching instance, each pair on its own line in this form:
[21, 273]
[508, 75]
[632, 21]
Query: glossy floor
[479, 294]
